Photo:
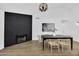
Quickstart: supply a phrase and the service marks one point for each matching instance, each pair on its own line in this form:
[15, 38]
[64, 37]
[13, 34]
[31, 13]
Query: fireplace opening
[21, 38]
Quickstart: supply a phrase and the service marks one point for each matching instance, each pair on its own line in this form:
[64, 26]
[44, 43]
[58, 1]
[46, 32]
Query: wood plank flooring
[34, 48]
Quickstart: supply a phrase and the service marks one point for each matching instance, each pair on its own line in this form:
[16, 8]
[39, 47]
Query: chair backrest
[53, 40]
[64, 40]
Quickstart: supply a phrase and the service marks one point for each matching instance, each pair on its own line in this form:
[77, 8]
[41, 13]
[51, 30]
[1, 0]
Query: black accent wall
[17, 24]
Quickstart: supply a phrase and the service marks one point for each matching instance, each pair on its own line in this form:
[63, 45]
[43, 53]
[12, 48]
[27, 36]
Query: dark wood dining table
[45, 37]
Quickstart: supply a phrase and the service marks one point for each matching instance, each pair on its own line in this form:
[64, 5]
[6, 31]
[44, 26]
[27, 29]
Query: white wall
[1, 29]
[56, 13]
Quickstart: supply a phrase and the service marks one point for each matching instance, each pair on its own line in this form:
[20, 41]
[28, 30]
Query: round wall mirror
[43, 7]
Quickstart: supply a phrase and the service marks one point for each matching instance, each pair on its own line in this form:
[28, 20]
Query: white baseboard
[1, 48]
[76, 40]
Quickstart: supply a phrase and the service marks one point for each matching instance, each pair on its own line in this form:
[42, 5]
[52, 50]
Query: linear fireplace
[21, 38]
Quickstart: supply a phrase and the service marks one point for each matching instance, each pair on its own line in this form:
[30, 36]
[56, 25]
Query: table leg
[71, 44]
[43, 44]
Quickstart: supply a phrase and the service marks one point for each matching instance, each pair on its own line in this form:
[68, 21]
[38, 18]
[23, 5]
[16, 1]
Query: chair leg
[58, 48]
[62, 48]
[48, 45]
[51, 49]
[69, 49]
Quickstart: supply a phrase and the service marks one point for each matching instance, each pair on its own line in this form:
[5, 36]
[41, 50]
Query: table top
[57, 36]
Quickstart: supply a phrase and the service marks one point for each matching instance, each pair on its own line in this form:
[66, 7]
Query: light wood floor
[34, 48]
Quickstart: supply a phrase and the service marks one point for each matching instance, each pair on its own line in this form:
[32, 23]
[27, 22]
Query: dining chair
[64, 43]
[53, 43]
